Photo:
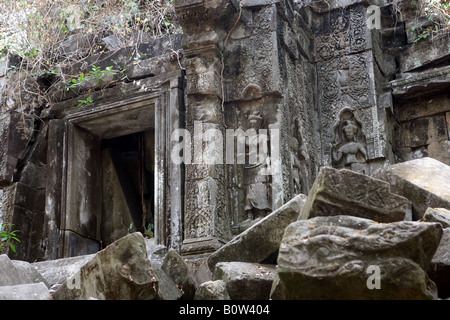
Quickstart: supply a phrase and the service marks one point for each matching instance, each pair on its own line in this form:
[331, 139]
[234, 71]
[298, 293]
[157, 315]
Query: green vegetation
[8, 237]
[437, 13]
[96, 73]
[51, 36]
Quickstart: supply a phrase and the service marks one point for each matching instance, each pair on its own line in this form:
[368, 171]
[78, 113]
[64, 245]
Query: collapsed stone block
[439, 271]
[17, 272]
[175, 267]
[246, 281]
[212, 290]
[30, 291]
[344, 192]
[260, 243]
[424, 181]
[56, 272]
[345, 257]
[440, 215]
[121, 271]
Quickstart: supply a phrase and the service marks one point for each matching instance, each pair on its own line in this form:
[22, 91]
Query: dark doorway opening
[128, 185]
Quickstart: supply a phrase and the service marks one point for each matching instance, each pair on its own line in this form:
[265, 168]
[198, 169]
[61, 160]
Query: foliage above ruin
[50, 34]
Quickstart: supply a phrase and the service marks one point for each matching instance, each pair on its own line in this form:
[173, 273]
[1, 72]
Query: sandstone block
[424, 181]
[440, 215]
[344, 192]
[122, 271]
[33, 291]
[335, 257]
[212, 290]
[260, 243]
[246, 281]
[175, 267]
[440, 266]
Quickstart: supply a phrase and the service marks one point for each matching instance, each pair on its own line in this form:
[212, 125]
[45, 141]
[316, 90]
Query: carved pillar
[204, 24]
[349, 79]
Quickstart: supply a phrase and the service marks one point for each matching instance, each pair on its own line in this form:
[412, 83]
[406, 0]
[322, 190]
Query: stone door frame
[164, 107]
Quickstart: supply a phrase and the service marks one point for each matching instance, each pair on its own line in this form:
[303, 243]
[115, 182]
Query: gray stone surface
[440, 215]
[9, 275]
[155, 252]
[59, 270]
[330, 258]
[260, 243]
[423, 181]
[121, 271]
[177, 269]
[440, 266]
[246, 281]
[212, 290]
[35, 291]
[29, 272]
[15, 272]
[344, 192]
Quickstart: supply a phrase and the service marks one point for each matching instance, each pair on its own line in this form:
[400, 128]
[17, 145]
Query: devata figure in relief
[349, 150]
[299, 160]
[256, 180]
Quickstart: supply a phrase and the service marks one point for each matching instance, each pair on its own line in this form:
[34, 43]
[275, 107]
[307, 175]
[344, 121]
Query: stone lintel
[418, 84]
[201, 245]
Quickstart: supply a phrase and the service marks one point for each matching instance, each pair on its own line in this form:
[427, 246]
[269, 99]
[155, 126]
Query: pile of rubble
[353, 237]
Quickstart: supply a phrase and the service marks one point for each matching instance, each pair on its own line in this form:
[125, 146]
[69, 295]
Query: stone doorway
[127, 185]
[116, 177]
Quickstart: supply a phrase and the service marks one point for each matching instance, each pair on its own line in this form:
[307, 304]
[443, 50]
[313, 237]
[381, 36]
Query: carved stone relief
[342, 32]
[206, 224]
[256, 201]
[336, 41]
[346, 79]
[349, 149]
[348, 82]
[252, 67]
[299, 159]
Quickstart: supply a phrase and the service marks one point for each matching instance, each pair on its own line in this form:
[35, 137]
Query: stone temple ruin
[331, 90]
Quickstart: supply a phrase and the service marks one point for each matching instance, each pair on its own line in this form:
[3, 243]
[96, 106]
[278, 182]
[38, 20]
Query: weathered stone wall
[417, 74]
[336, 92]
[262, 51]
[248, 66]
[51, 164]
[23, 158]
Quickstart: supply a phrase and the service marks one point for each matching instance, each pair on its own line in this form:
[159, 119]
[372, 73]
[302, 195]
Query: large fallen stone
[440, 215]
[344, 192]
[156, 252]
[15, 272]
[122, 271]
[9, 275]
[260, 242]
[246, 281]
[212, 290]
[341, 257]
[175, 267]
[440, 266]
[424, 181]
[167, 289]
[29, 272]
[59, 270]
[33, 291]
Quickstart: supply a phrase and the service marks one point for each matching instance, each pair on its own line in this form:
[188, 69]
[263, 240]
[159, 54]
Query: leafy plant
[130, 228]
[8, 237]
[51, 36]
[95, 73]
[150, 230]
[86, 102]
